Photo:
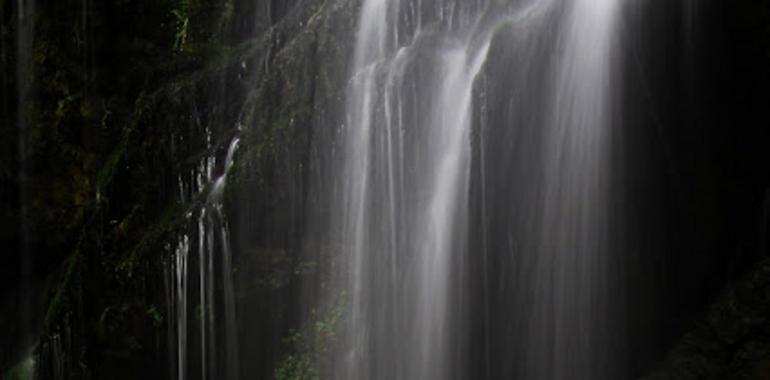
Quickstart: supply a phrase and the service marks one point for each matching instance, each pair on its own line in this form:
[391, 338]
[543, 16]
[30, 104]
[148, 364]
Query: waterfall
[403, 205]
[402, 196]
[215, 320]
[566, 337]
[178, 305]
[231, 370]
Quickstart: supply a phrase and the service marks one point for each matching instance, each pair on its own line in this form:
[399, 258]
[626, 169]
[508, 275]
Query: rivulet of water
[213, 320]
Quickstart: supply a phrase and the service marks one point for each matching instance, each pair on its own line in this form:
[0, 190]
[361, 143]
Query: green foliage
[107, 172]
[182, 15]
[155, 315]
[59, 300]
[121, 328]
[22, 371]
[274, 269]
[311, 343]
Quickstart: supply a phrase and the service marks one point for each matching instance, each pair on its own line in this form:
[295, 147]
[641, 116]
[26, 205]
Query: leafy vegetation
[182, 15]
[310, 344]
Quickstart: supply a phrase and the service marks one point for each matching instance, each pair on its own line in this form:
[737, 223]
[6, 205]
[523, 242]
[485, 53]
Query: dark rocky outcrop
[732, 341]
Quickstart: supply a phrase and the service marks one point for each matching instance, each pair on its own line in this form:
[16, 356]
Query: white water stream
[403, 193]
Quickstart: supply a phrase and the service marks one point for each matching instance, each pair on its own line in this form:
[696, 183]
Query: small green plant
[182, 14]
[155, 315]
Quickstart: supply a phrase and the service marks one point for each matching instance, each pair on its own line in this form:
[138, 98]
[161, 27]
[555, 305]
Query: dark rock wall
[115, 101]
[697, 176]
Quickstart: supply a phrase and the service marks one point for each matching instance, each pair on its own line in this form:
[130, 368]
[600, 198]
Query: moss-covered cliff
[113, 105]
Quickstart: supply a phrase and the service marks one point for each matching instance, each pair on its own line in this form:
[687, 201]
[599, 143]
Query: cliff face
[115, 103]
[720, 214]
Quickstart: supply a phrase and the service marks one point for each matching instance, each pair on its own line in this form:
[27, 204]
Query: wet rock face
[115, 100]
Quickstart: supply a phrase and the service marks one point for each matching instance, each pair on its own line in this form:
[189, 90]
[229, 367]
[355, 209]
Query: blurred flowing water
[570, 321]
[402, 199]
[24, 81]
[203, 343]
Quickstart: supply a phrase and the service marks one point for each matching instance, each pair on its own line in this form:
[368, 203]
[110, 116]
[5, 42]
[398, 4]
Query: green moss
[272, 269]
[310, 345]
[155, 315]
[59, 301]
[108, 171]
[22, 371]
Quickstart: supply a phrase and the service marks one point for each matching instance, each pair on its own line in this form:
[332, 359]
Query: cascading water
[403, 193]
[228, 292]
[216, 340]
[571, 287]
[403, 204]
[426, 189]
[176, 294]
